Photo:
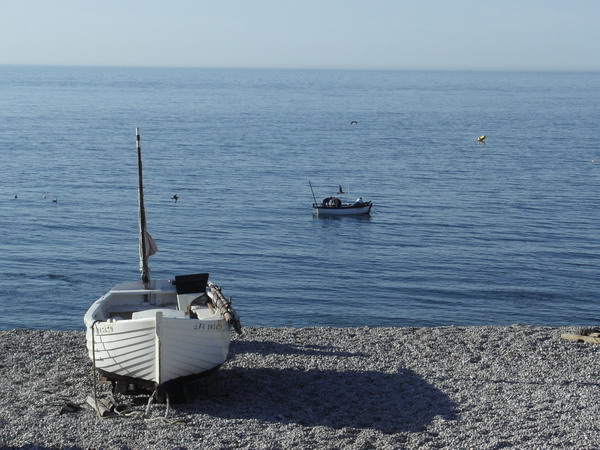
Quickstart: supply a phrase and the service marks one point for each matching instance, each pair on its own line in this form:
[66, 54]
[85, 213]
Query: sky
[553, 35]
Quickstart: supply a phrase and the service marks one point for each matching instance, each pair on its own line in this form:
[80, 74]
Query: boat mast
[144, 269]
[313, 192]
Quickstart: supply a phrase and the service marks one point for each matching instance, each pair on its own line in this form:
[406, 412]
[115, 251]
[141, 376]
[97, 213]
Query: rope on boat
[167, 410]
[95, 405]
[110, 407]
[103, 407]
[225, 308]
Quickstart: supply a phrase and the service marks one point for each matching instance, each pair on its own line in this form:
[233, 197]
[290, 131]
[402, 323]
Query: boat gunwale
[320, 206]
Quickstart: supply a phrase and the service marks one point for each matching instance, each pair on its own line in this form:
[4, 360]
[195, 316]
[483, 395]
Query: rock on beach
[389, 388]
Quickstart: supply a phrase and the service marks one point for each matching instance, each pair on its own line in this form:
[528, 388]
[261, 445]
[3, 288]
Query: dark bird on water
[175, 198]
[55, 200]
[354, 122]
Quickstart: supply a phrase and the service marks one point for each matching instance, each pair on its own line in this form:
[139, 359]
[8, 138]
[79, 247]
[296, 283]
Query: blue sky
[346, 34]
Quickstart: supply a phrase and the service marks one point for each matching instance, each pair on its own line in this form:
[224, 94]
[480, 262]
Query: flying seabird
[175, 198]
[481, 138]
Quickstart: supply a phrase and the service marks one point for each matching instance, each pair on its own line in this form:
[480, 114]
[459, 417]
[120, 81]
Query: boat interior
[184, 297]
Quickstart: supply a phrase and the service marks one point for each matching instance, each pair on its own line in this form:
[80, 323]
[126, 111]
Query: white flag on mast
[150, 244]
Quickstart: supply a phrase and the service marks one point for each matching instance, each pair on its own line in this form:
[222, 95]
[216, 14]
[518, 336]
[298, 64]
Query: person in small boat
[359, 202]
[326, 201]
[335, 202]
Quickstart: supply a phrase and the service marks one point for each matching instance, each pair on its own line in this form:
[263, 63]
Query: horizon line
[307, 68]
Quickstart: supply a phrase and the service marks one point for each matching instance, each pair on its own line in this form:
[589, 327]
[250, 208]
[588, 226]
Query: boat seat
[203, 313]
[166, 312]
[189, 288]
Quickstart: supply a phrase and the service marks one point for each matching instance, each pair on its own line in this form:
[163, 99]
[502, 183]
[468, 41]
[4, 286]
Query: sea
[462, 232]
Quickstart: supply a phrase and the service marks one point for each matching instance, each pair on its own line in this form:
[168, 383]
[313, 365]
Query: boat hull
[158, 350]
[158, 344]
[344, 210]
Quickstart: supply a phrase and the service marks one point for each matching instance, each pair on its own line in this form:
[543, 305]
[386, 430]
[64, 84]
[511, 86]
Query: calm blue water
[461, 233]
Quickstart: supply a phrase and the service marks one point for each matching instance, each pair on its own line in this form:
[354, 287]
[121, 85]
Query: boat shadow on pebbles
[341, 396]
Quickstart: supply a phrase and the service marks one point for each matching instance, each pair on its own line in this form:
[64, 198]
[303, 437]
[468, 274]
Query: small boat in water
[342, 209]
[333, 206]
[154, 333]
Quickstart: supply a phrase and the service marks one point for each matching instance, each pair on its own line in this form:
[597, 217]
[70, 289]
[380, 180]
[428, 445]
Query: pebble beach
[348, 388]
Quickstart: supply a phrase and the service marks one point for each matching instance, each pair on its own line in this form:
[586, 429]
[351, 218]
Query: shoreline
[370, 387]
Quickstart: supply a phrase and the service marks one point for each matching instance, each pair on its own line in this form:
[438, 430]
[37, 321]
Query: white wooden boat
[333, 206]
[344, 209]
[154, 332]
